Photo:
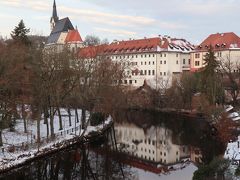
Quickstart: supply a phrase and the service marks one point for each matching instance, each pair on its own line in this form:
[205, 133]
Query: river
[141, 145]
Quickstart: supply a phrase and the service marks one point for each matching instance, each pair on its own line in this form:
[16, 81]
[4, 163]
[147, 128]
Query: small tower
[54, 17]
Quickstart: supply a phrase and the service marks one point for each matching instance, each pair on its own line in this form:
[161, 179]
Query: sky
[193, 20]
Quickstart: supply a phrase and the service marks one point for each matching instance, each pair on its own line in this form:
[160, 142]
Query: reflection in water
[161, 142]
[142, 140]
[153, 145]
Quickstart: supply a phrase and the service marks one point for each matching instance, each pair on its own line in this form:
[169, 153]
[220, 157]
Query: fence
[24, 146]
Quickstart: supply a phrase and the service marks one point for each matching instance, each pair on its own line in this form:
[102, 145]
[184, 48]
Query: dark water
[141, 145]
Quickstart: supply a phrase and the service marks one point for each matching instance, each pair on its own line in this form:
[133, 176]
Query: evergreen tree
[211, 81]
[19, 34]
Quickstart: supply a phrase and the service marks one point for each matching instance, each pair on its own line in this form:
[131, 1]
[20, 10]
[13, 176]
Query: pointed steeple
[54, 17]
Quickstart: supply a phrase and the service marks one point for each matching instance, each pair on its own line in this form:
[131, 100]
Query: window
[141, 72]
[145, 72]
[153, 143]
[141, 55]
[145, 63]
[177, 62]
[153, 62]
[184, 61]
[164, 154]
[149, 63]
[164, 73]
[165, 55]
[177, 153]
[160, 73]
[149, 72]
[153, 72]
[145, 55]
[141, 63]
[189, 61]
[197, 63]
[135, 81]
[164, 62]
[153, 55]
[160, 62]
[130, 81]
[197, 55]
[176, 55]
[149, 55]
[125, 81]
[132, 56]
[136, 56]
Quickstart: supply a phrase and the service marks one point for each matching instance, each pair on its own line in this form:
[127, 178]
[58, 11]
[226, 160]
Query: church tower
[54, 17]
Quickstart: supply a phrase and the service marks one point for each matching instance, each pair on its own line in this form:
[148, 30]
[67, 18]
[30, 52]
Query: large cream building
[225, 45]
[157, 60]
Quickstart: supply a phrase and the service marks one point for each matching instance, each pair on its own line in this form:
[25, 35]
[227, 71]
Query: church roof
[63, 25]
[73, 36]
[54, 14]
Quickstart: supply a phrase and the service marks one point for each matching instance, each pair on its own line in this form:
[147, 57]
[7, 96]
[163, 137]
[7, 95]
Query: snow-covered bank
[64, 138]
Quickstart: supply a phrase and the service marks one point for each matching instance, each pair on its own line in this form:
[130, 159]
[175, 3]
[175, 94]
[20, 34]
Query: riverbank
[14, 156]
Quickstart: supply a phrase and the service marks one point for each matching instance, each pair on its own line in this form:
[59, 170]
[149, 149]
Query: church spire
[54, 17]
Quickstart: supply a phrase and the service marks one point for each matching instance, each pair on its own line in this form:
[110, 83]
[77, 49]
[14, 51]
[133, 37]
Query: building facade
[225, 45]
[154, 60]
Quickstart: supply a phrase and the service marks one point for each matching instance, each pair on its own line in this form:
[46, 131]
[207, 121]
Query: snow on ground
[10, 159]
[19, 136]
[233, 150]
[180, 174]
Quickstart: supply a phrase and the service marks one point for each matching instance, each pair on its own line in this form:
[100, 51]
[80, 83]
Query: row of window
[163, 73]
[147, 72]
[133, 56]
[149, 63]
[197, 55]
[127, 82]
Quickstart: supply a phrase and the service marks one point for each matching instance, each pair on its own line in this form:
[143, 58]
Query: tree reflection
[83, 162]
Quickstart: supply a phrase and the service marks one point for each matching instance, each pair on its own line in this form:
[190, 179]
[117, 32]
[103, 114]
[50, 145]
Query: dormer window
[206, 46]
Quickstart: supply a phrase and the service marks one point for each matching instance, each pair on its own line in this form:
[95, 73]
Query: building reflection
[154, 145]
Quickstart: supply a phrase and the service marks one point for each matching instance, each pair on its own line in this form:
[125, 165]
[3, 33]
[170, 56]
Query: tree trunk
[1, 141]
[38, 129]
[76, 114]
[69, 117]
[83, 118]
[60, 119]
[24, 118]
[51, 122]
[46, 120]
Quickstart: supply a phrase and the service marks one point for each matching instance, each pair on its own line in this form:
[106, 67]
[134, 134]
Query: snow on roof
[220, 41]
[236, 118]
[229, 108]
[145, 45]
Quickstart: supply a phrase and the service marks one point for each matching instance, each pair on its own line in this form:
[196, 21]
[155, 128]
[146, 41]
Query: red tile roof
[220, 41]
[73, 36]
[136, 46]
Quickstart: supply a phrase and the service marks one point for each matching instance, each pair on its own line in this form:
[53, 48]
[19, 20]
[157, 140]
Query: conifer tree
[19, 34]
[211, 81]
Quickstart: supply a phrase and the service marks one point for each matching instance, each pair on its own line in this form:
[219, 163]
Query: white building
[156, 60]
[225, 45]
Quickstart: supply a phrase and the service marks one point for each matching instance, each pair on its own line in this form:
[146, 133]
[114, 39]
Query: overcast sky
[193, 20]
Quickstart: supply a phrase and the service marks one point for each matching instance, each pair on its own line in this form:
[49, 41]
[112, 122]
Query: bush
[97, 118]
